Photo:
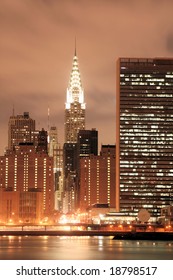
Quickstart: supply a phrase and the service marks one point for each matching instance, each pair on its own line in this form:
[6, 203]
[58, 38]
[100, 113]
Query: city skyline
[37, 47]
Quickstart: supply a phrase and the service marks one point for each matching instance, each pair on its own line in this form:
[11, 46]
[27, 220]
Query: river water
[82, 248]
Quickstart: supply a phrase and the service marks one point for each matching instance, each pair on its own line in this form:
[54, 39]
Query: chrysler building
[75, 105]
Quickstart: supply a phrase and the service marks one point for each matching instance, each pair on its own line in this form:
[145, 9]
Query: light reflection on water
[84, 248]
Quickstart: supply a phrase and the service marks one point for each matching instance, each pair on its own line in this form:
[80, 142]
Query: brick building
[26, 185]
[97, 178]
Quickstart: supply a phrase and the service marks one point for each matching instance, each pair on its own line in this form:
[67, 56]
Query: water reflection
[84, 248]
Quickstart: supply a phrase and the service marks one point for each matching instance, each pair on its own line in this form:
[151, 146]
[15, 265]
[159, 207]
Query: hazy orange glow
[37, 47]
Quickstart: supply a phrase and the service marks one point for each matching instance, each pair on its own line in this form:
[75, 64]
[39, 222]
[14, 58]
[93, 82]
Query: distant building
[166, 216]
[87, 145]
[21, 128]
[74, 122]
[88, 142]
[70, 159]
[75, 105]
[53, 140]
[26, 184]
[42, 144]
[144, 135]
[56, 151]
[97, 178]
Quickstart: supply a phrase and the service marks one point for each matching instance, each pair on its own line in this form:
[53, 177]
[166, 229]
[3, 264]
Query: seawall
[121, 235]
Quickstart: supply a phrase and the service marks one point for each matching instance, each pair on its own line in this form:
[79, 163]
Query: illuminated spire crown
[75, 91]
[75, 85]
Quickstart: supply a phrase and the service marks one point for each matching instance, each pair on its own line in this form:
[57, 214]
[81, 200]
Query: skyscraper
[53, 140]
[75, 105]
[74, 121]
[144, 135]
[42, 145]
[56, 152]
[21, 128]
[87, 142]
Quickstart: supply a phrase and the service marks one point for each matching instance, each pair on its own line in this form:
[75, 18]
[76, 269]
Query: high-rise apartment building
[144, 135]
[97, 178]
[75, 105]
[21, 128]
[26, 184]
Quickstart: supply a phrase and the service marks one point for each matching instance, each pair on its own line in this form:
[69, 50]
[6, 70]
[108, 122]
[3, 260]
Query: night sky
[37, 40]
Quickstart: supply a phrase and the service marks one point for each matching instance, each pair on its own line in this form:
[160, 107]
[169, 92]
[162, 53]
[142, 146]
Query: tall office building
[87, 142]
[144, 135]
[70, 158]
[74, 121]
[21, 128]
[75, 105]
[42, 145]
[53, 140]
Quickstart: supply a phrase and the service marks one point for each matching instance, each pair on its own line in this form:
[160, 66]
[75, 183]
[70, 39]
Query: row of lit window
[167, 75]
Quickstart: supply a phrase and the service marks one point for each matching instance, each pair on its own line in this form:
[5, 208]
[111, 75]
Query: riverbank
[121, 235]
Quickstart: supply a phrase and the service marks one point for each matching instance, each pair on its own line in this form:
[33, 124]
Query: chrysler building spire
[75, 105]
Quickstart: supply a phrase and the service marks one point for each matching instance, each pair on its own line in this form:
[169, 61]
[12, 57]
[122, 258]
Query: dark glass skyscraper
[88, 142]
[144, 135]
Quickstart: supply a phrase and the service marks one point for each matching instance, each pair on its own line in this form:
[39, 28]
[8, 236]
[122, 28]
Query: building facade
[144, 135]
[70, 159]
[42, 143]
[26, 184]
[87, 142]
[97, 178]
[74, 122]
[56, 152]
[21, 128]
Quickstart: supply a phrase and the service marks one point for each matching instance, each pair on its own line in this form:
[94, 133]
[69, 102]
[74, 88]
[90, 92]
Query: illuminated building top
[75, 105]
[75, 91]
